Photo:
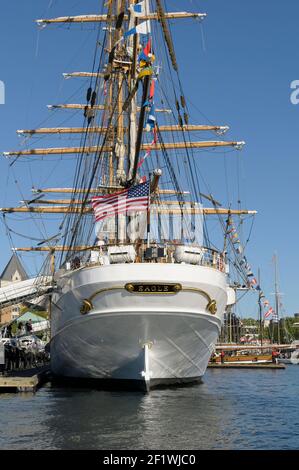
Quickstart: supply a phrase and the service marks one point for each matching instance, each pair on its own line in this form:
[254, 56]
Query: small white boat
[290, 356]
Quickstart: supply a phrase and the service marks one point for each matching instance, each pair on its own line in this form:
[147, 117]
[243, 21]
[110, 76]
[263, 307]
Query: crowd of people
[20, 356]
[21, 352]
[23, 328]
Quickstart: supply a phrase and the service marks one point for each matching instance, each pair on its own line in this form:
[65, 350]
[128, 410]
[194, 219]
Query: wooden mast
[82, 201]
[104, 18]
[67, 75]
[76, 208]
[74, 106]
[101, 189]
[120, 149]
[103, 130]
[110, 92]
[133, 44]
[144, 146]
[97, 107]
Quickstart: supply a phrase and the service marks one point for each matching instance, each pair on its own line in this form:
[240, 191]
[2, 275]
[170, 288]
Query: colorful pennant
[138, 9]
[141, 28]
[252, 282]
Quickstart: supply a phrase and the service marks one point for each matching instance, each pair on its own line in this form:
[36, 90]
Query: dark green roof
[30, 315]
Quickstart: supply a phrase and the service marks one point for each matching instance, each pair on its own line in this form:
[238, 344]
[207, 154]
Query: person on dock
[7, 332]
[275, 355]
[213, 357]
[21, 329]
[222, 356]
[28, 326]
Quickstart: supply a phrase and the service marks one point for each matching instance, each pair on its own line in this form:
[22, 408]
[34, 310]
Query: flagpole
[260, 307]
[277, 298]
[149, 212]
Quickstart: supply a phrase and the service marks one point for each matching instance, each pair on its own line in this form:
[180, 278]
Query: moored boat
[290, 355]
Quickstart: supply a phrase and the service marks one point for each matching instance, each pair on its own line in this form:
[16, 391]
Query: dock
[239, 365]
[28, 380]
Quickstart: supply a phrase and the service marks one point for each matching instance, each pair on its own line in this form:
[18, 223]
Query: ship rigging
[139, 289]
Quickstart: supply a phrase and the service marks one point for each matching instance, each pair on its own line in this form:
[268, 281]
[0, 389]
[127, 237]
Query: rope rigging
[117, 71]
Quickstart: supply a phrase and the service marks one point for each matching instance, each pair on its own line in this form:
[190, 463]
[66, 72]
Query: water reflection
[231, 410]
[165, 419]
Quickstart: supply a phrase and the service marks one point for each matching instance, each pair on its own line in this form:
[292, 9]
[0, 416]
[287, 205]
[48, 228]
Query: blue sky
[236, 68]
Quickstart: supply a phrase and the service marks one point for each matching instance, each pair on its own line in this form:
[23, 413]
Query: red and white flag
[133, 199]
[269, 312]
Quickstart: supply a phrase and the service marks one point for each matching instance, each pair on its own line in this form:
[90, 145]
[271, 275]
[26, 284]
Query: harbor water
[230, 409]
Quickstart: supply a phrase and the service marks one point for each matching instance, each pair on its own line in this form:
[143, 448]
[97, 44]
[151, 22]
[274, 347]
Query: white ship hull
[144, 338]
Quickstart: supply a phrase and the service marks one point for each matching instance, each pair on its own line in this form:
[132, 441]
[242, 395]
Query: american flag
[134, 199]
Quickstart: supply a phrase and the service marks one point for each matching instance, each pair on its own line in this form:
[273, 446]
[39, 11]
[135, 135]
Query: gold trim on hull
[211, 307]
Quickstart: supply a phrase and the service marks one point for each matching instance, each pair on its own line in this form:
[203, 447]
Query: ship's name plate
[149, 288]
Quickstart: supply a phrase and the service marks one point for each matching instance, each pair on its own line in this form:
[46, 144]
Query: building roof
[30, 316]
[13, 265]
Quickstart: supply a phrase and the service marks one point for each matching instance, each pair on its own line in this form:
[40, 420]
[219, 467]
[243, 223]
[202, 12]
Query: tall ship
[139, 290]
